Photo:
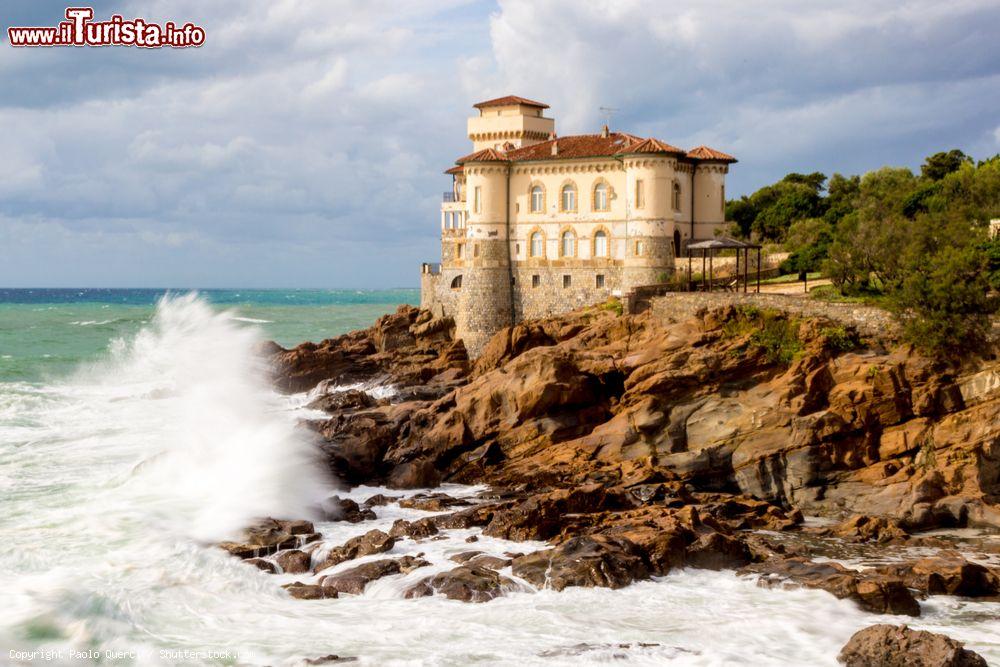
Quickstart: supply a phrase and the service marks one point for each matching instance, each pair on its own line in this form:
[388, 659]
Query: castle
[536, 224]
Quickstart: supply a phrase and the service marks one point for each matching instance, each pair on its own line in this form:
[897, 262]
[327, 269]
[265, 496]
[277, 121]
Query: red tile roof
[455, 170]
[508, 100]
[652, 145]
[592, 145]
[706, 153]
[575, 146]
[485, 155]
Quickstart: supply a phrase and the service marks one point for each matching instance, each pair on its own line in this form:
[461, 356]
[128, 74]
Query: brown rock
[270, 535]
[303, 591]
[380, 499]
[860, 528]
[899, 646]
[336, 508]
[947, 574]
[419, 529]
[879, 593]
[372, 542]
[584, 561]
[465, 583]
[354, 580]
[431, 502]
[293, 561]
[261, 564]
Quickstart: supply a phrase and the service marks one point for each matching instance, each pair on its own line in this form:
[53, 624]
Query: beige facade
[537, 224]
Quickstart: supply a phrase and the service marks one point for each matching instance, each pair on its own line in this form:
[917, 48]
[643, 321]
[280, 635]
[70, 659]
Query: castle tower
[651, 175]
[485, 301]
[509, 121]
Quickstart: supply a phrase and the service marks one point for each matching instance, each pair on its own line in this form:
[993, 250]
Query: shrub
[770, 330]
[840, 338]
[614, 305]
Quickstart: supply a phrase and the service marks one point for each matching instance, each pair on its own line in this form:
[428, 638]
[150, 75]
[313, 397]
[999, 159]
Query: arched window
[537, 245]
[601, 197]
[456, 282]
[568, 243]
[537, 199]
[600, 243]
[677, 196]
[568, 199]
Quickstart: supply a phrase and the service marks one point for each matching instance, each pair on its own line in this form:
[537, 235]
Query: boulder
[589, 561]
[293, 561]
[271, 535]
[372, 542]
[336, 508]
[341, 400]
[432, 502]
[417, 530]
[263, 565]
[861, 528]
[947, 574]
[465, 583]
[354, 580]
[303, 591]
[899, 646]
[879, 593]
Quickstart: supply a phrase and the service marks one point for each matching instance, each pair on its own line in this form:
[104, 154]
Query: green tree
[941, 164]
[864, 256]
[742, 213]
[942, 298]
[842, 197]
[808, 243]
[777, 206]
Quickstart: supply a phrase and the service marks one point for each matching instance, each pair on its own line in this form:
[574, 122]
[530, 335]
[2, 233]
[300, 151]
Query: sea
[138, 429]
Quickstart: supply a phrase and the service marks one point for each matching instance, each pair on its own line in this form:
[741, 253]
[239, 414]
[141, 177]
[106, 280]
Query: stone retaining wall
[868, 320]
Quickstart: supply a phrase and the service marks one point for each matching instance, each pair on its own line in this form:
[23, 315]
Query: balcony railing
[449, 197]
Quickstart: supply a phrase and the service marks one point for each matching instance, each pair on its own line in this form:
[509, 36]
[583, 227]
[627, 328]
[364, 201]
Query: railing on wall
[449, 197]
[431, 269]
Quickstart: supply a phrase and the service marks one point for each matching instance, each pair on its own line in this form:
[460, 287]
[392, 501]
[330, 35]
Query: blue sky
[303, 144]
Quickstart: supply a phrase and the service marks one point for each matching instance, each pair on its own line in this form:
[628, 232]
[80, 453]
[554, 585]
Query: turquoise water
[47, 333]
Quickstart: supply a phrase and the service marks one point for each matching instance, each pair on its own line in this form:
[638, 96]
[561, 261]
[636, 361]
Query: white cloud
[304, 143]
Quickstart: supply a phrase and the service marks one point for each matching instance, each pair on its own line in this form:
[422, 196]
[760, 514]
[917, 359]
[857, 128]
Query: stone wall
[868, 320]
[551, 298]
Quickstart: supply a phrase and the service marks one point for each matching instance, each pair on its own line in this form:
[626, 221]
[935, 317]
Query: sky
[303, 145]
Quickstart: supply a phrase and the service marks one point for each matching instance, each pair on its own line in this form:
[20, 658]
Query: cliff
[636, 444]
[799, 412]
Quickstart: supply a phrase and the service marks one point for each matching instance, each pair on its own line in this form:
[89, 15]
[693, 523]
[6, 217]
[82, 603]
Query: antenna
[608, 112]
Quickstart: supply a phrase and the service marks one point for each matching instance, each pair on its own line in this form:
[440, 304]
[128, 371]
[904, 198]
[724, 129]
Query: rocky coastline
[634, 446]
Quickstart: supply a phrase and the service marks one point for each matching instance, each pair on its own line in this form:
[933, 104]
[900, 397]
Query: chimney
[555, 143]
[605, 133]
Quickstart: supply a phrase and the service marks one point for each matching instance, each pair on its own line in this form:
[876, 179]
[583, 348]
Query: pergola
[708, 250]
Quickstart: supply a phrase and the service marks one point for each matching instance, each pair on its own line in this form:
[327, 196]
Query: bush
[943, 297]
[614, 305]
[840, 339]
[770, 330]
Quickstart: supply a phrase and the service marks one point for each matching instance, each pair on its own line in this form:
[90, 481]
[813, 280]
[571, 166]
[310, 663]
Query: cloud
[304, 143]
[782, 84]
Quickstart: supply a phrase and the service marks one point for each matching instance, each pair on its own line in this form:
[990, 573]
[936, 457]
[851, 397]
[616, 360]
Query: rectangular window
[722, 196]
[599, 282]
[567, 281]
[639, 247]
[458, 250]
[477, 201]
[475, 250]
[640, 194]
[536, 280]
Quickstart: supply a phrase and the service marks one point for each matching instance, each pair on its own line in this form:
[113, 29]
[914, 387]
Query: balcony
[449, 197]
